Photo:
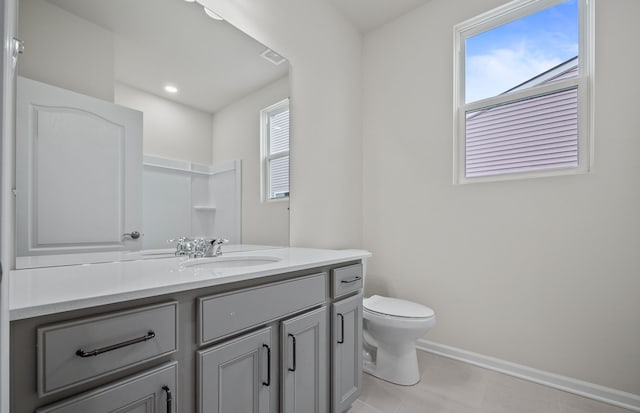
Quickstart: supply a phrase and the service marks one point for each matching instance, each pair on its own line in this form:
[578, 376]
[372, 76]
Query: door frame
[8, 23]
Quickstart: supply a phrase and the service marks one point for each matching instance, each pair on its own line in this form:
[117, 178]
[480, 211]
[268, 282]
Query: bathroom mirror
[199, 165]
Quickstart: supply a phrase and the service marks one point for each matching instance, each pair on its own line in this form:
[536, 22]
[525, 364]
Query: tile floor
[450, 386]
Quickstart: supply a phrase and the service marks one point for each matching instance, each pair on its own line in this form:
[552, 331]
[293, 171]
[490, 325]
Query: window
[522, 91]
[274, 134]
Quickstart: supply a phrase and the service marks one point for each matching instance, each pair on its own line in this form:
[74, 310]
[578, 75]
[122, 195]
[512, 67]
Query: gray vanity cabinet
[304, 363]
[346, 352]
[153, 391]
[237, 375]
[289, 345]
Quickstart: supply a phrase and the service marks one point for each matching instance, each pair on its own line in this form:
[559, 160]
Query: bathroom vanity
[275, 330]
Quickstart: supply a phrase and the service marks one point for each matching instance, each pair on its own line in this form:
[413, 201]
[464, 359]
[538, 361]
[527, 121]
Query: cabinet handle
[354, 279]
[169, 398]
[294, 353]
[98, 351]
[341, 329]
[268, 382]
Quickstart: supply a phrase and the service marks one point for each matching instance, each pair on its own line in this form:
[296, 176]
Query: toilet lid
[396, 307]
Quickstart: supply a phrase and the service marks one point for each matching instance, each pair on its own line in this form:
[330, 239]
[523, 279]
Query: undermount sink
[228, 262]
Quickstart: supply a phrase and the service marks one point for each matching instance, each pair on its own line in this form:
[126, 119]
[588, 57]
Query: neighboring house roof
[564, 70]
[532, 134]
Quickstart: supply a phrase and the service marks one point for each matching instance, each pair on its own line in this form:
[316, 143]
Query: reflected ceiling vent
[273, 57]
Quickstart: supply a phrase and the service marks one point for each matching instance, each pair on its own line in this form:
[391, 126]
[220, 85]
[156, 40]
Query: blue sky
[506, 56]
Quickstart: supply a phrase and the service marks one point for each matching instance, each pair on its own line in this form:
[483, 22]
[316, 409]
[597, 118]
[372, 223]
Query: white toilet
[391, 327]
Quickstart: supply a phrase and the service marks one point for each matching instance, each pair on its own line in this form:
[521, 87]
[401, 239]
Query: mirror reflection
[142, 121]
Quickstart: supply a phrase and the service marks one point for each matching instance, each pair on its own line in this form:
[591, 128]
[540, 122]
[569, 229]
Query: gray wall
[236, 135]
[56, 54]
[541, 272]
[324, 51]
[170, 129]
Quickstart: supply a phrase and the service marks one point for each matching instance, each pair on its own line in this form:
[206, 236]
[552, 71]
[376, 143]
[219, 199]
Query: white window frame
[266, 156]
[583, 82]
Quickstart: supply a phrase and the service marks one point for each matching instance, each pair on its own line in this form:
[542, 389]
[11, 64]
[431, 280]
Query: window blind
[278, 159]
[279, 174]
[278, 131]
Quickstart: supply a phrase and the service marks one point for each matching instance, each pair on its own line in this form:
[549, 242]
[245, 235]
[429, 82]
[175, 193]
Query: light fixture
[212, 14]
[171, 89]
[189, 1]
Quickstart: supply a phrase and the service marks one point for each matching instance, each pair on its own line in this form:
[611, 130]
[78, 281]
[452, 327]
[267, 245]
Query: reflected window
[275, 151]
[522, 91]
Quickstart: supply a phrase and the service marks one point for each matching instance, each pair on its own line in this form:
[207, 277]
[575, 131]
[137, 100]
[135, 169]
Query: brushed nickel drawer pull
[98, 351]
[351, 281]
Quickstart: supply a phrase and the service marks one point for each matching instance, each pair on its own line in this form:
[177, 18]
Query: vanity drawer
[154, 390]
[224, 314]
[79, 351]
[346, 280]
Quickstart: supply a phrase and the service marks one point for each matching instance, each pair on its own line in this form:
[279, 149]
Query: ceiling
[368, 15]
[211, 62]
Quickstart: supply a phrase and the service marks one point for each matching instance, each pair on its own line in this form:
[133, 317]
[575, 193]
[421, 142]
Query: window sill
[461, 180]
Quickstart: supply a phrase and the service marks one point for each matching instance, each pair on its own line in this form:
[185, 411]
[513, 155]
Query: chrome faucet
[184, 246]
[215, 247]
[198, 247]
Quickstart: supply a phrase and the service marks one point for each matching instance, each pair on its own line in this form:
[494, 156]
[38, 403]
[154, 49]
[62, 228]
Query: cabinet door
[304, 363]
[236, 376]
[346, 352]
[153, 391]
[78, 172]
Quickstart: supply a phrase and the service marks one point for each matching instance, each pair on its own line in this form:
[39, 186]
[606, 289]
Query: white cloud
[501, 69]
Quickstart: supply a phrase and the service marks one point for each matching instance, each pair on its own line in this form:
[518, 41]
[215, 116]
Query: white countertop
[57, 260]
[39, 291]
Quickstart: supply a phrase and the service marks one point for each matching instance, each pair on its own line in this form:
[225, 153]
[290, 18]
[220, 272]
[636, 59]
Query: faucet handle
[184, 245]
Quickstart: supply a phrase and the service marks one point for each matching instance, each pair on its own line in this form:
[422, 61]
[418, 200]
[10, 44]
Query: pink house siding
[533, 134]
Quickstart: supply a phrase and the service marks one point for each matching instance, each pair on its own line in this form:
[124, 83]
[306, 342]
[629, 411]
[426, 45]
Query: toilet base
[398, 367]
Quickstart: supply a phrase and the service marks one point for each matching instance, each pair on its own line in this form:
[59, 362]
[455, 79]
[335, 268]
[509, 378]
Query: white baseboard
[582, 388]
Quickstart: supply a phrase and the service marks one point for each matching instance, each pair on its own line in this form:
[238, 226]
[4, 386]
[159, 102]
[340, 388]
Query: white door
[78, 172]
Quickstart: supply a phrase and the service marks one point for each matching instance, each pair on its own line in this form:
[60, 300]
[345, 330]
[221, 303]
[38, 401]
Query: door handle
[132, 234]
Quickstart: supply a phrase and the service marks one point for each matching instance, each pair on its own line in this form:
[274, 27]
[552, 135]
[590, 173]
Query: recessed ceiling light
[171, 89]
[189, 1]
[212, 14]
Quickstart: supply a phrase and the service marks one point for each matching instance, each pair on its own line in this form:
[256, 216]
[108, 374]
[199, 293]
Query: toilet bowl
[391, 327]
